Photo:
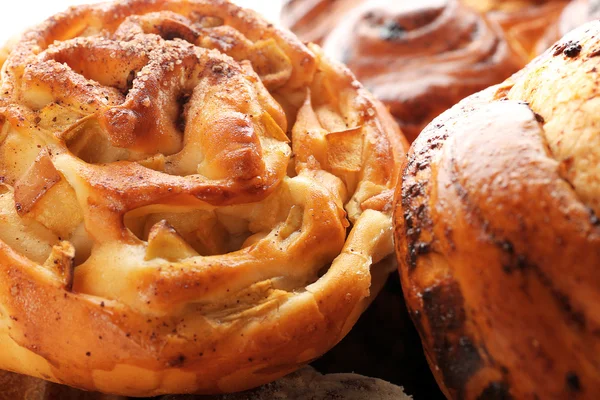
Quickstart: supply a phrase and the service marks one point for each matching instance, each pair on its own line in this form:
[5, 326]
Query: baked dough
[421, 58]
[498, 235]
[529, 25]
[192, 201]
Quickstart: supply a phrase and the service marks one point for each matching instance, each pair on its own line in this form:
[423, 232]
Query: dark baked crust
[498, 236]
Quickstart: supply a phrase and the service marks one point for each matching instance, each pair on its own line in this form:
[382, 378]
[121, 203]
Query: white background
[17, 15]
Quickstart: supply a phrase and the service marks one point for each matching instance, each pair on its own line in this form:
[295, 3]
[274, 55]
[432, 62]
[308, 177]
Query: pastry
[420, 58]
[312, 20]
[529, 24]
[192, 200]
[498, 235]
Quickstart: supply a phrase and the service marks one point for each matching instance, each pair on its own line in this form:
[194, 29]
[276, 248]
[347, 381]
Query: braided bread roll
[498, 233]
[420, 58]
[192, 200]
[312, 20]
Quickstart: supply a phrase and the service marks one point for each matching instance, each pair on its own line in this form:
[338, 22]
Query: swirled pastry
[312, 20]
[192, 200]
[498, 232]
[529, 25]
[420, 58]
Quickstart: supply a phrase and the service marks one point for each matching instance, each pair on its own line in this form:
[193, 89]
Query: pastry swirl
[192, 201]
[498, 235]
[421, 58]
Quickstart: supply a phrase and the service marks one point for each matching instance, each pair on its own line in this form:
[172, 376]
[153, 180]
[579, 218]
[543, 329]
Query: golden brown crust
[7, 48]
[312, 20]
[178, 180]
[498, 235]
[420, 58]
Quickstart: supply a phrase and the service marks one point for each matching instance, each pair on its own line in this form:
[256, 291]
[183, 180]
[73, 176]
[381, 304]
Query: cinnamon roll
[191, 200]
[498, 235]
[420, 58]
